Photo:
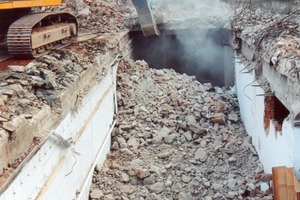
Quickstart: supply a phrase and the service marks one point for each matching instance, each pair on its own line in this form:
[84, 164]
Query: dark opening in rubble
[274, 111]
[204, 53]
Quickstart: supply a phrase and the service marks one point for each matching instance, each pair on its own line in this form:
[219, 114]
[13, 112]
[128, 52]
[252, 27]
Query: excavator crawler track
[20, 34]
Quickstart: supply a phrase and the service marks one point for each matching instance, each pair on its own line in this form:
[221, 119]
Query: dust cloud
[202, 44]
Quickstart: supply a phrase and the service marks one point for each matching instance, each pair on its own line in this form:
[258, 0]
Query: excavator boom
[146, 17]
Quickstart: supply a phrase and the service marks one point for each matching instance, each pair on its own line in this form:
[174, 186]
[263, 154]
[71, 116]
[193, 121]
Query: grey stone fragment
[132, 142]
[9, 126]
[217, 186]
[124, 177]
[169, 181]
[185, 196]
[157, 188]
[36, 81]
[16, 68]
[149, 180]
[115, 145]
[185, 179]
[96, 194]
[231, 184]
[142, 173]
[125, 127]
[2, 119]
[232, 159]
[170, 138]
[157, 139]
[197, 129]
[122, 142]
[109, 197]
[188, 136]
[201, 155]
[164, 154]
[233, 117]
[50, 80]
[190, 119]
[230, 195]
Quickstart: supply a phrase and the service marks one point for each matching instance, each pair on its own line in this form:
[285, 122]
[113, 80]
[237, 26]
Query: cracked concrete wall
[274, 148]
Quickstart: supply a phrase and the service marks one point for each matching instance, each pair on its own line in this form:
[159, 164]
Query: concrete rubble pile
[101, 16]
[176, 138]
[27, 94]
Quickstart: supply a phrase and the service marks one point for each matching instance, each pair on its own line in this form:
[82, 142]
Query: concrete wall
[57, 171]
[274, 148]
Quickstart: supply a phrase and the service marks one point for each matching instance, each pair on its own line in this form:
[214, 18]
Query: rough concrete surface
[36, 94]
[176, 138]
[271, 40]
[192, 14]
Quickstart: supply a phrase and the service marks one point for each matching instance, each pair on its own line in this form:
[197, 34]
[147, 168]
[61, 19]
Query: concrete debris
[96, 194]
[271, 36]
[142, 173]
[185, 142]
[8, 126]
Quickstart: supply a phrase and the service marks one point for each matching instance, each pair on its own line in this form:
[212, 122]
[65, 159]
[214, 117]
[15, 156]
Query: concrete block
[69, 98]
[20, 140]
[3, 150]
[26, 130]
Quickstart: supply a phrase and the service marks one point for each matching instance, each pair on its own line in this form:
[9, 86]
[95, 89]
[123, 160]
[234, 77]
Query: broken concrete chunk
[142, 173]
[188, 136]
[197, 129]
[132, 142]
[170, 138]
[149, 180]
[36, 81]
[125, 127]
[16, 68]
[3, 119]
[190, 119]
[201, 155]
[96, 194]
[233, 117]
[124, 177]
[122, 142]
[157, 188]
[115, 145]
[164, 155]
[218, 118]
[185, 178]
[9, 126]
[8, 92]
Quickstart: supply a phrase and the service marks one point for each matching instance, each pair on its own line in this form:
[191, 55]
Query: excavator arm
[147, 20]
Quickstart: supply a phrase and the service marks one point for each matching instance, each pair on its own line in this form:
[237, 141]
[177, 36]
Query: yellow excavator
[27, 34]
